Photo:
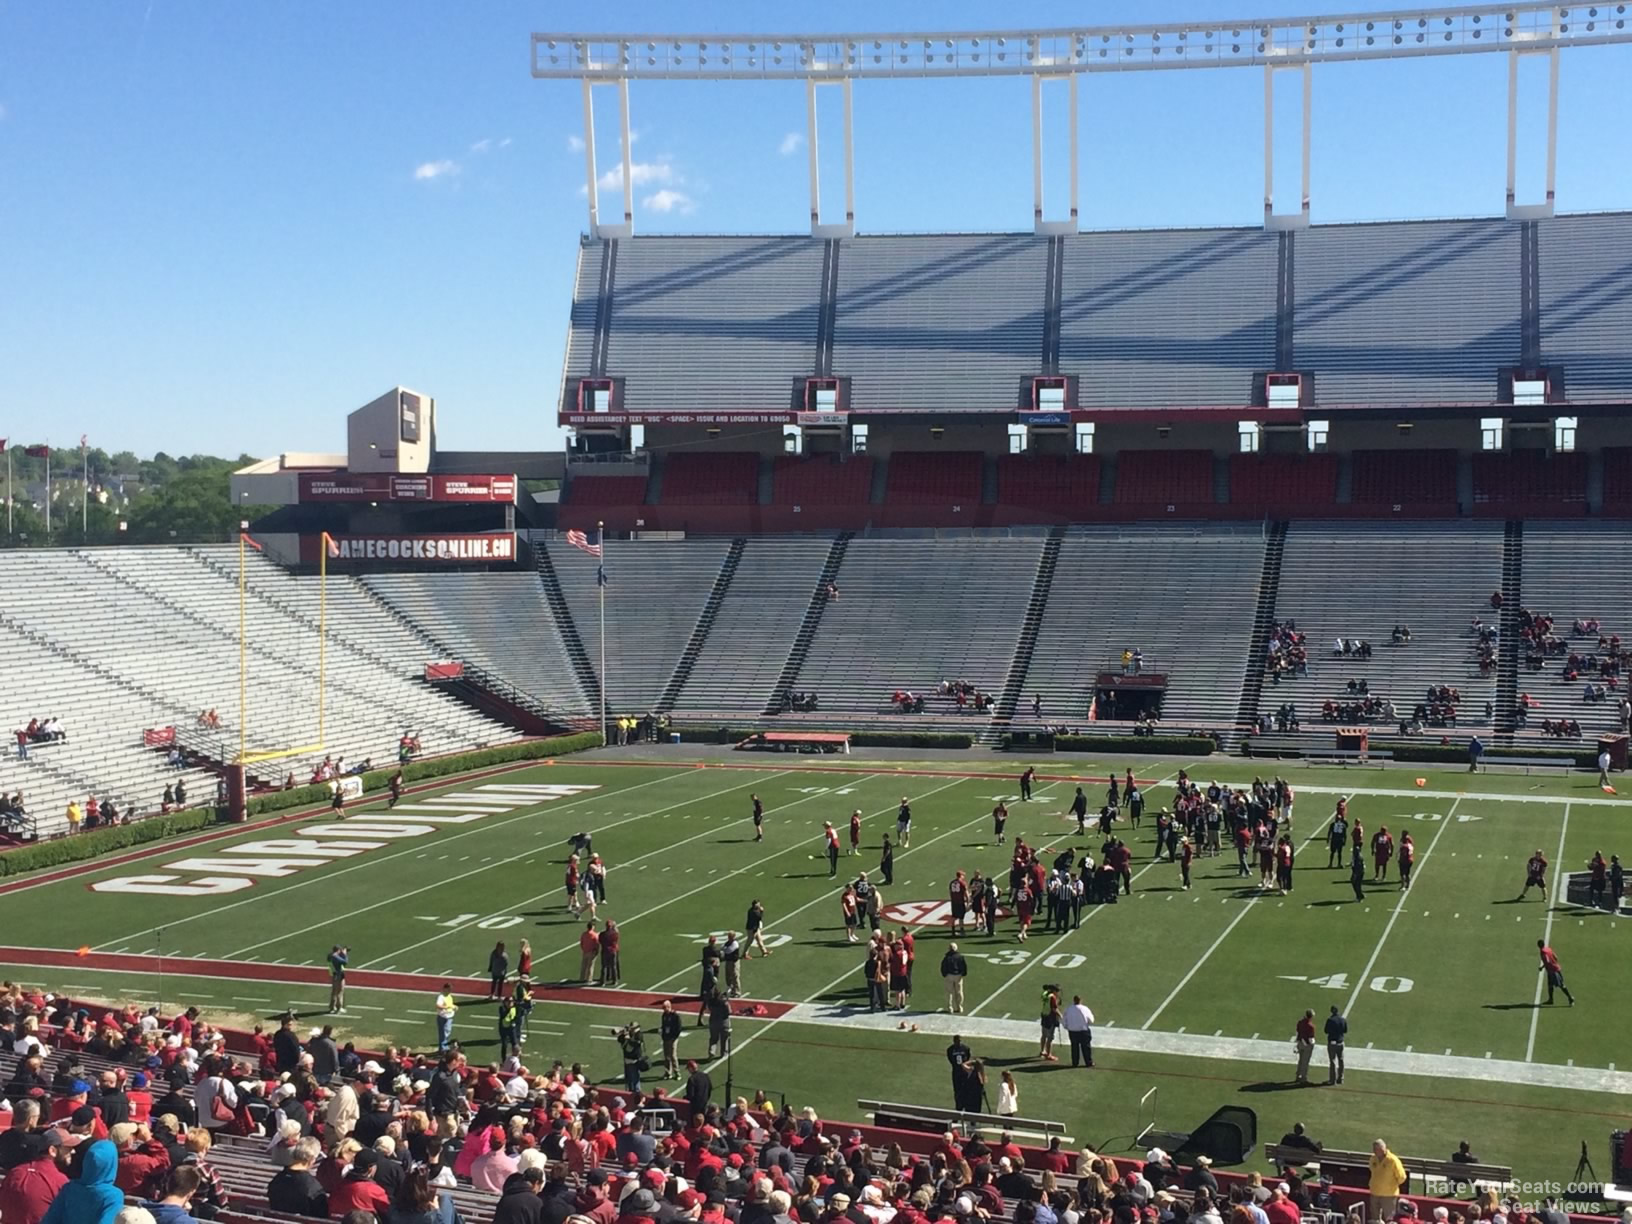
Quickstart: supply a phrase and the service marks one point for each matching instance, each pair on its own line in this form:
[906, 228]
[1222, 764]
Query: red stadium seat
[1284, 482]
[1529, 477]
[604, 491]
[1167, 477]
[934, 478]
[823, 480]
[1404, 478]
[704, 478]
[1618, 478]
[1054, 482]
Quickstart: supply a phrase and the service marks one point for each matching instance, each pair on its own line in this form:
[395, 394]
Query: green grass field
[1195, 993]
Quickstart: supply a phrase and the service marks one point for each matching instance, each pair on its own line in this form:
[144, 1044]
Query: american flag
[579, 540]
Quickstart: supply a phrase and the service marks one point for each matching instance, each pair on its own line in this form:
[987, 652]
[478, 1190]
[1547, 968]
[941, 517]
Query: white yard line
[848, 973]
[1224, 934]
[1028, 964]
[624, 922]
[828, 896]
[1416, 874]
[258, 895]
[1416, 1065]
[446, 880]
[1553, 901]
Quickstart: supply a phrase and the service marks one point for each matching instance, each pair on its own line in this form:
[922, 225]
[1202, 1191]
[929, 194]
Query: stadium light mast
[1068, 53]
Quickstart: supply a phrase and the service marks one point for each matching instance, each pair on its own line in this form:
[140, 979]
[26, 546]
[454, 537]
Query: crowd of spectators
[13, 812]
[961, 694]
[1287, 652]
[39, 731]
[1357, 648]
[394, 1137]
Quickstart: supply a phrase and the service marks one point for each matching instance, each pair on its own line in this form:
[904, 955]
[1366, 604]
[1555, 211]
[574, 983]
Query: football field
[1195, 993]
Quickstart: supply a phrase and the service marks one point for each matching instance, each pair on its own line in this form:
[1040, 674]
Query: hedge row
[1161, 745]
[97, 842]
[418, 771]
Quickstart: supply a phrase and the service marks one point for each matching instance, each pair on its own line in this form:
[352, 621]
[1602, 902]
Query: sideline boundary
[362, 979]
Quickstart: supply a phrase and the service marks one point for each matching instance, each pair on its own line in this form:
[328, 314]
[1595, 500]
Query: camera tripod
[1584, 1173]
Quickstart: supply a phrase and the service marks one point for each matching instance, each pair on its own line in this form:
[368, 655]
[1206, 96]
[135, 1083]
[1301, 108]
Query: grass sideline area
[1195, 993]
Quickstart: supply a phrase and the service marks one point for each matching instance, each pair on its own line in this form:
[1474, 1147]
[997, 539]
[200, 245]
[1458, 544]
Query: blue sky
[226, 225]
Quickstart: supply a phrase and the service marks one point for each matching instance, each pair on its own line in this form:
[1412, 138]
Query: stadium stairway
[758, 616]
[1252, 687]
[564, 624]
[700, 631]
[1507, 660]
[499, 627]
[1026, 645]
[812, 621]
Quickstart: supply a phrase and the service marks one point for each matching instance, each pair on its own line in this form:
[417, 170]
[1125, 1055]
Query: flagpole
[9, 498]
[85, 488]
[600, 585]
[322, 628]
[48, 492]
[243, 660]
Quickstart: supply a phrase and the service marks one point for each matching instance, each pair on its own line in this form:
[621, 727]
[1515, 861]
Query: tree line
[159, 500]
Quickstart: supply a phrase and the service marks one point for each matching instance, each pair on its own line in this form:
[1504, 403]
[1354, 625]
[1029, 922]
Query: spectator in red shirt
[1280, 1208]
[358, 1191]
[29, 1188]
[1054, 1160]
[143, 1160]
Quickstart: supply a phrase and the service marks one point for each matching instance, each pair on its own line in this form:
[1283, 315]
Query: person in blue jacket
[93, 1198]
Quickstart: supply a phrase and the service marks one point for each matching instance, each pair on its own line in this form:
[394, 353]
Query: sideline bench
[1354, 1168]
[1529, 763]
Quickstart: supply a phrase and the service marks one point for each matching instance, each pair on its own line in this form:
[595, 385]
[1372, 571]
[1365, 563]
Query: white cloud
[426, 171]
[791, 144]
[482, 145]
[669, 200]
[505, 143]
[575, 144]
[641, 174]
[3, 111]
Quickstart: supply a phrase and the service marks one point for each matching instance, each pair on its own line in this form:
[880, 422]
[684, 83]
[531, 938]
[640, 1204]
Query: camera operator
[633, 1044]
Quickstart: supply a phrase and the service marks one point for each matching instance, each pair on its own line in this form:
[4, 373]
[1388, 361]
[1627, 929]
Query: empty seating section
[1618, 478]
[1383, 478]
[655, 592]
[1416, 312]
[755, 626]
[1284, 483]
[375, 663]
[1182, 595]
[1156, 478]
[823, 480]
[151, 635]
[103, 754]
[944, 322]
[1530, 477]
[1572, 571]
[1586, 302]
[497, 622]
[712, 324]
[912, 613]
[933, 478]
[1360, 580]
[581, 324]
[584, 490]
[1055, 482]
[700, 478]
[1156, 318]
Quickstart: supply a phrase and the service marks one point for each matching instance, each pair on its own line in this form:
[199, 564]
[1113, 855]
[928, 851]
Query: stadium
[876, 567]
